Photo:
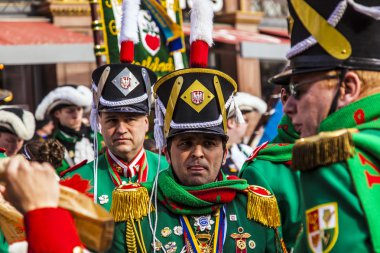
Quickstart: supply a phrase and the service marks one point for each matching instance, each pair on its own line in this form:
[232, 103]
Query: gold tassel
[262, 207]
[323, 149]
[130, 202]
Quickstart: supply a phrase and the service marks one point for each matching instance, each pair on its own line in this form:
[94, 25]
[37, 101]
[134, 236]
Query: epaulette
[262, 206]
[323, 149]
[256, 151]
[2, 150]
[130, 201]
[72, 168]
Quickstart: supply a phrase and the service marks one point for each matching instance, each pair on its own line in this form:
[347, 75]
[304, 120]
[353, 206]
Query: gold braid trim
[130, 237]
[262, 206]
[323, 149]
[130, 202]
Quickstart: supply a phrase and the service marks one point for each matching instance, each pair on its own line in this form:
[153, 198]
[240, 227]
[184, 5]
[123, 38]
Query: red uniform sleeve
[51, 230]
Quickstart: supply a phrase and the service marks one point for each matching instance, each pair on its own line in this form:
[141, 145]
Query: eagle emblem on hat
[125, 81]
[197, 97]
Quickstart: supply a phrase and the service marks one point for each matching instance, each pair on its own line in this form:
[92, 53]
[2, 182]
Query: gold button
[344, 51]
[78, 249]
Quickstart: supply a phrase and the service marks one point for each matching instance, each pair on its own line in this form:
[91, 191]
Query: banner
[161, 47]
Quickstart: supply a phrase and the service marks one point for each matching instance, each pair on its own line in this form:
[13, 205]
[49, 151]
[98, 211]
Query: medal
[171, 247]
[203, 223]
[252, 244]
[233, 217]
[166, 231]
[240, 241]
[178, 230]
[157, 246]
[204, 241]
[103, 199]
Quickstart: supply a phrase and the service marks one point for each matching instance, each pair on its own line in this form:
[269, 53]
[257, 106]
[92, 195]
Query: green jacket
[341, 199]
[105, 183]
[260, 238]
[272, 161]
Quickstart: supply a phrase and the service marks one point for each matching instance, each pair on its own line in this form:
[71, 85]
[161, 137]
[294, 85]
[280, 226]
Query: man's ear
[284, 96]
[167, 155]
[57, 112]
[146, 124]
[231, 123]
[349, 89]
[225, 156]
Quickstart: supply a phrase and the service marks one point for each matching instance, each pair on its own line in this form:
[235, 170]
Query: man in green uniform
[335, 82]
[273, 161]
[197, 208]
[66, 105]
[122, 99]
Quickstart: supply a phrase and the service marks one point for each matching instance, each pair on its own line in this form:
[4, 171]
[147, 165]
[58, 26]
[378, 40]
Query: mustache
[122, 137]
[198, 163]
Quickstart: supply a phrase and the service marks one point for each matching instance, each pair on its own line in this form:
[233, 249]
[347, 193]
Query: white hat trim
[80, 96]
[23, 128]
[197, 125]
[124, 102]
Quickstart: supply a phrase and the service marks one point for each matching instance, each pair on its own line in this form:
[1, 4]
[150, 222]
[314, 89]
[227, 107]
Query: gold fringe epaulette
[262, 206]
[130, 202]
[322, 149]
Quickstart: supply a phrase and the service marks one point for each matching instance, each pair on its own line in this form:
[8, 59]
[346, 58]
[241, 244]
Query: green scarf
[280, 149]
[195, 200]
[364, 116]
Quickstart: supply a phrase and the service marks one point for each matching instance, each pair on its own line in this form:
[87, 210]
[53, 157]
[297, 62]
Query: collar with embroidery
[130, 169]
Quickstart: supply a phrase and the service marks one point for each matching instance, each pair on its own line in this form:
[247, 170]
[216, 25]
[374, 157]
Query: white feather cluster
[129, 28]
[201, 21]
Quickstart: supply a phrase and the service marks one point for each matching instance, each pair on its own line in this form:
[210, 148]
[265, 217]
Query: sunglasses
[294, 88]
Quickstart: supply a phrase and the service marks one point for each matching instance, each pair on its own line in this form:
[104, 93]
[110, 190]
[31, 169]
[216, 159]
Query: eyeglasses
[294, 87]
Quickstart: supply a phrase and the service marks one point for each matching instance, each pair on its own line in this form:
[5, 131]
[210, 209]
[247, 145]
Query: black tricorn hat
[123, 88]
[334, 34]
[194, 100]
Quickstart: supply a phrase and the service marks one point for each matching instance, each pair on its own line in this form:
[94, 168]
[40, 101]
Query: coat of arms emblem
[322, 227]
[125, 82]
[197, 97]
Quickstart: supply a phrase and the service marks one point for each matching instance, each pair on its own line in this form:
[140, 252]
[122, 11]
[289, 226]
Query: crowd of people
[313, 188]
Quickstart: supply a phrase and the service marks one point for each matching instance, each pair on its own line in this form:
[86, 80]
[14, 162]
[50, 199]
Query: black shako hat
[194, 100]
[327, 35]
[123, 87]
